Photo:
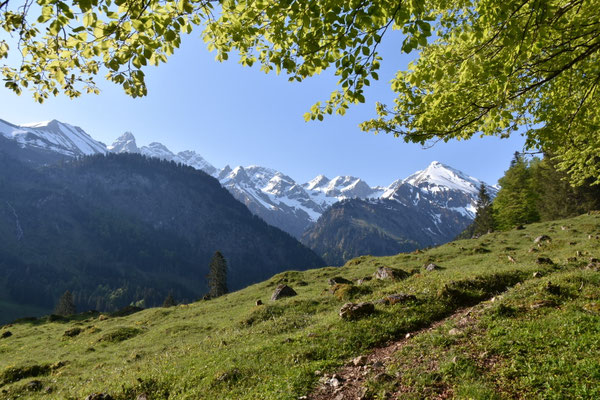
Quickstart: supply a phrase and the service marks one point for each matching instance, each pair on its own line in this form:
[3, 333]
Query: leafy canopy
[484, 67]
[67, 43]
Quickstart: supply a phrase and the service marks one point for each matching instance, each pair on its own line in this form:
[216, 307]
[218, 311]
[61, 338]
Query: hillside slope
[381, 227]
[118, 229]
[529, 331]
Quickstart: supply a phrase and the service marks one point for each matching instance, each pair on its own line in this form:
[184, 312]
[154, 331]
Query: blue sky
[241, 116]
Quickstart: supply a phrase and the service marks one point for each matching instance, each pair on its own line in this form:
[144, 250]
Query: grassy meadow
[532, 330]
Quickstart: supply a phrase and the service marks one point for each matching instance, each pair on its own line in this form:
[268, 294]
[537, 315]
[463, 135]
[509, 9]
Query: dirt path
[348, 382]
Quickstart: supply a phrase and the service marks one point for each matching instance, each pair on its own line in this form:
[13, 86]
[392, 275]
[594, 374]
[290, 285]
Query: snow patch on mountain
[438, 177]
[126, 143]
[268, 193]
[53, 136]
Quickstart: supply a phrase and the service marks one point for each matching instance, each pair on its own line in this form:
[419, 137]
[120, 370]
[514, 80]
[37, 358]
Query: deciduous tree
[483, 67]
[515, 203]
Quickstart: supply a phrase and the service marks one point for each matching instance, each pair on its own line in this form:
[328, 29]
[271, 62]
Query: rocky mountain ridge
[272, 195]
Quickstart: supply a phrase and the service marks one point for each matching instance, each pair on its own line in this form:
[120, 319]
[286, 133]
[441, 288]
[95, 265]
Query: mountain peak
[55, 137]
[438, 176]
[124, 144]
[316, 182]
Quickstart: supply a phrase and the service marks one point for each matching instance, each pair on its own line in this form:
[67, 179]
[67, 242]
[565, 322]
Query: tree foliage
[556, 197]
[65, 305]
[516, 201]
[62, 45]
[536, 190]
[217, 275]
[483, 67]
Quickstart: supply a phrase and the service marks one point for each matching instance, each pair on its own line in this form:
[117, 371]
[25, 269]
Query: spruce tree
[217, 276]
[169, 301]
[65, 305]
[484, 220]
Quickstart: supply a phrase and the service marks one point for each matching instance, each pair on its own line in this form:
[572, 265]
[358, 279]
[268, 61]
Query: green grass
[532, 341]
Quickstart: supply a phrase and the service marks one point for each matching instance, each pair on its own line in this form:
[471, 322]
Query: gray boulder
[352, 311]
[390, 273]
[282, 291]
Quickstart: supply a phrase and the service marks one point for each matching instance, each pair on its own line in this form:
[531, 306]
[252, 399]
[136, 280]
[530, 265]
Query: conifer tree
[65, 305]
[516, 201]
[217, 276]
[169, 301]
[484, 220]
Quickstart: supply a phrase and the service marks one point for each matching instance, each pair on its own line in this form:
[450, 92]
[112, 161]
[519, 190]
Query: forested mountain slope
[118, 229]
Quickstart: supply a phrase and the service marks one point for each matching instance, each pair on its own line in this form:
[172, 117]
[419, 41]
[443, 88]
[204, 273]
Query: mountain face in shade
[428, 208]
[117, 229]
[272, 195]
[297, 208]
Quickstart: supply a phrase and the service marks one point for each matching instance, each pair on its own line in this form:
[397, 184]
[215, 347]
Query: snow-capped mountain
[126, 144]
[441, 184]
[273, 196]
[52, 137]
[268, 193]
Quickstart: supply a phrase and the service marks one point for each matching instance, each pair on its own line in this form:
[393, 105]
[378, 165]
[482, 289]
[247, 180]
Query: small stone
[283, 291]
[142, 396]
[359, 361]
[532, 250]
[537, 274]
[361, 281]
[102, 317]
[259, 302]
[512, 259]
[578, 253]
[564, 228]
[72, 332]
[351, 311]
[432, 267]
[407, 336]
[454, 332]
[338, 280]
[390, 273]
[593, 266]
[34, 386]
[318, 373]
[541, 303]
[335, 381]
[542, 238]
[398, 298]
